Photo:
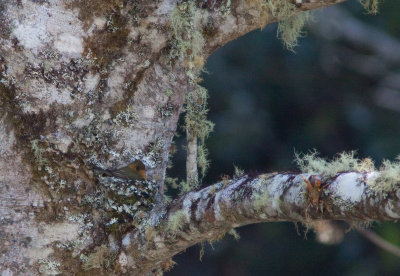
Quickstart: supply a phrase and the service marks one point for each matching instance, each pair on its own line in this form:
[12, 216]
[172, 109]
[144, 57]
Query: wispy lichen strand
[371, 6]
[291, 28]
[290, 21]
[187, 45]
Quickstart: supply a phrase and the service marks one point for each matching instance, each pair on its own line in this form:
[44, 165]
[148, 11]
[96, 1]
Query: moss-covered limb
[96, 85]
[197, 130]
[245, 16]
[208, 213]
[386, 180]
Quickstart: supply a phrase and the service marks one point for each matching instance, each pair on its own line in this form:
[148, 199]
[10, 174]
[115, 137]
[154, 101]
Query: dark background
[334, 94]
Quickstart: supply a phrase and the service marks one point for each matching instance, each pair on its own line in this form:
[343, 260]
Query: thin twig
[191, 159]
[378, 241]
[191, 150]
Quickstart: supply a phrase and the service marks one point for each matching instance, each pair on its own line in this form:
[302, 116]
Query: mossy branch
[209, 213]
[387, 177]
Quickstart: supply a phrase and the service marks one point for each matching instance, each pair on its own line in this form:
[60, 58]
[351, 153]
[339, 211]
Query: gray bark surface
[91, 86]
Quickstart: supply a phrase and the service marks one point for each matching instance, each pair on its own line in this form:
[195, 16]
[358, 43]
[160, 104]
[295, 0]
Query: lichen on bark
[104, 87]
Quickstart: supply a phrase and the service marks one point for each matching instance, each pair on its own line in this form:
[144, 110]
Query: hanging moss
[202, 159]
[371, 6]
[188, 41]
[291, 29]
[290, 23]
[197, 124]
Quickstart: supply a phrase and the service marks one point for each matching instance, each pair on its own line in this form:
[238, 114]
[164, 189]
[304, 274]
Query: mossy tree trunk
[89, 86]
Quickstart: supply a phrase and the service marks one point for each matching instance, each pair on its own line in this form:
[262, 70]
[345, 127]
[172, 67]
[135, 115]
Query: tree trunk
[90, 87]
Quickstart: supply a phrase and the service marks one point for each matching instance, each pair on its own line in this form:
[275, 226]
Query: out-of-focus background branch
[339, 91]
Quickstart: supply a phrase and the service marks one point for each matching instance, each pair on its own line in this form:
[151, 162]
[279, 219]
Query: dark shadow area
[334, 94]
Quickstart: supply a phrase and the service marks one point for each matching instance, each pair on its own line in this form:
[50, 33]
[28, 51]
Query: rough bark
[95, 85]
[207, 214]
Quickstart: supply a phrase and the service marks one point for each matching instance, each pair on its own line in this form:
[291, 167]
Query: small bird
[134, 171]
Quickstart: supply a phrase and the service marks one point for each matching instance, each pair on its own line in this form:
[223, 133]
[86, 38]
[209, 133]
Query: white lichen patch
[49, 267]
[69, 45]
[83, 121]
[37, 24]
[201, 208]
[127, 117]
[91, 81]
[259, 182]
[165, 8]
[155, 39]
[159, 241]
[48, 234]
[84, 238]
[7, 141]
[348, 187]
[229, 192]
[61, 140]
[122, 259]
[7, 272]
[226, 195]
[31, 34]
[188, 201]
[276, 187]
[230, 25]
[391, 210]
[148, 112]
[30, 28]
[45, 95]
[296, 192]
[116, 81]
[126, 241]
[217, 208]
[290, 22]
[98, 24]
[371, 177]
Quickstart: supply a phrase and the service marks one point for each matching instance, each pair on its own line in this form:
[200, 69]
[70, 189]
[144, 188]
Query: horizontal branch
[210, 212]
[250, 15]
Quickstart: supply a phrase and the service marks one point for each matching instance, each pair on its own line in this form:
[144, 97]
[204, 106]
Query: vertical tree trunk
[92, 86]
